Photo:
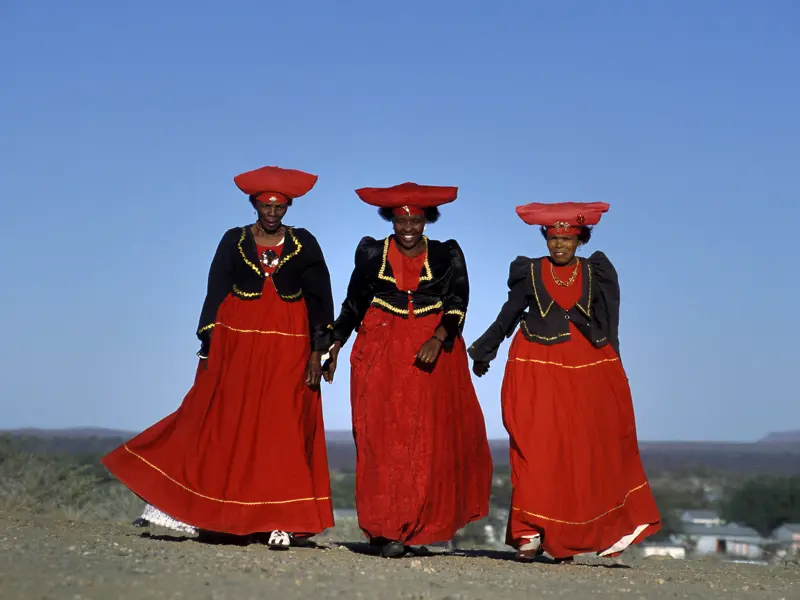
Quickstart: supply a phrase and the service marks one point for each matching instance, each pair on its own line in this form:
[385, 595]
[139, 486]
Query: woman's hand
[430, 350]
[314, 369]
[480, 368]
[332, 362]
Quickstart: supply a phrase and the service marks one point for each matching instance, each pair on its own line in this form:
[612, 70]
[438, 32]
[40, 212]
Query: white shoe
[530, 549]
[279, 540]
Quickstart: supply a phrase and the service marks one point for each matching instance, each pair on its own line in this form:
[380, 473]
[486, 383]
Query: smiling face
[270, 214]
[562, 248]
[408, 230]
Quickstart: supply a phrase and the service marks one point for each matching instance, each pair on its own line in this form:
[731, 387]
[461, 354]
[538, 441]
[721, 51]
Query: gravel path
[46, 558]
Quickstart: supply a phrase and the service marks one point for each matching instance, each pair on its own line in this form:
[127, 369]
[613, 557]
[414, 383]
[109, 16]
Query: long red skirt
[576, 472]
[245, 452]
[423, 467]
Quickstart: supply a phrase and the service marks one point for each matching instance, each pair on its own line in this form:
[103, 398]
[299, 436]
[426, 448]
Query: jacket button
[566, 317]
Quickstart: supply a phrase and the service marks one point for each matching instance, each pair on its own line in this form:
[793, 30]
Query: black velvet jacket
[301, 273]
[596, 314]
[443, 287]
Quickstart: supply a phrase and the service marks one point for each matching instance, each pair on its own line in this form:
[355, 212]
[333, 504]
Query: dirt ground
[47, 558]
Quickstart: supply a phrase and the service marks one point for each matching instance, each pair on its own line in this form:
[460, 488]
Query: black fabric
[301, 273]
[443, 288]
[596, 314]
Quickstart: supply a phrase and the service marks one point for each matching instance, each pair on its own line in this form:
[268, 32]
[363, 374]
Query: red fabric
[576, 471]
[289, 182]
[245, 451]
[407, 210]
[561, 215]
[406, 269]
[272, 198]
[408, 194]
[423, 467]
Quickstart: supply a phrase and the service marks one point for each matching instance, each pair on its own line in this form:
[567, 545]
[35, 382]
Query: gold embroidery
[608, 512]
[263, 332]
[426, 309]
[541, 337]
[297, 248]
[206, 328]
[428, 276]
[588, 310]
[558, 364]
[382, 303]
[241, 251]
[384, 260]
[244, 294]
[543, 313]
[461, 315]
[294, 296]
[239, 502]
[400, 311]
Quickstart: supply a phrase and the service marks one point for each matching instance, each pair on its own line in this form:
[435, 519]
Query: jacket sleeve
[456, 296]
[608, 297]
[220, 284]
[520, 291]
[359, 294]
[315, 281]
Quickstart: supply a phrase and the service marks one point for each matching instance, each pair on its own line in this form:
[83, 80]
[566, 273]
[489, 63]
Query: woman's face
[408, 230]
[562, 248]
[270, 215]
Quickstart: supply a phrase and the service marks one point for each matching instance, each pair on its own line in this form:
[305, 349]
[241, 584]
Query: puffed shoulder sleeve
[520, 289]
[220, 284]
[315, 281]
[607, 298]
[456, 295]
[359, 291]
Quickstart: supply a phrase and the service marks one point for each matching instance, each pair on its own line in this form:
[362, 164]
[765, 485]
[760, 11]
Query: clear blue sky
[122, 127]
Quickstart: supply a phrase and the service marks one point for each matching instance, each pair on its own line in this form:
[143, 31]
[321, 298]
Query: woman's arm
[359, 294]
[608, 297]
[484, 350]
[456, 299]
[220, 284]
[315, 281]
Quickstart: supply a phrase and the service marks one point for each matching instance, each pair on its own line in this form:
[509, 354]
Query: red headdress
[563, 218]
[408, 198]
[273, 184]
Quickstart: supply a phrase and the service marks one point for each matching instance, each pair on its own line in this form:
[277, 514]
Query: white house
[665, 550]
[727, 540]
[707, 518]
[788, 535]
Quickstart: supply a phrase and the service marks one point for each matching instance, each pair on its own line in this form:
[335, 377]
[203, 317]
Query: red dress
[575, 466]
[423, 467]
[245, 451]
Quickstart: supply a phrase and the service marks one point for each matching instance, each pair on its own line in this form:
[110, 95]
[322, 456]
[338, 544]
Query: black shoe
[393, 550]
[140, 522]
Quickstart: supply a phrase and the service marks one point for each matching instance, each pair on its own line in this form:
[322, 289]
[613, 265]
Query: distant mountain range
[776, 453]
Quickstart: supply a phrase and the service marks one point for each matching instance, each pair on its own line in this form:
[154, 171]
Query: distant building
[728, 540]
[707, 518]
[788, 536]
[665, 549]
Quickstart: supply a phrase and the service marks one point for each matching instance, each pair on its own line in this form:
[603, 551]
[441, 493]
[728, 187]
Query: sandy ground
[42, 557]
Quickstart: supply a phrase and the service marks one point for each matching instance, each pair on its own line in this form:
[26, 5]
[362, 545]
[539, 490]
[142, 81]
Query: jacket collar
[249, 253]
[544, 301]
[385, 272]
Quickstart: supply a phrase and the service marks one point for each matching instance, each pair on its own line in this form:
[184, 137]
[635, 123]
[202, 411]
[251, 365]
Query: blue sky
[123, 127]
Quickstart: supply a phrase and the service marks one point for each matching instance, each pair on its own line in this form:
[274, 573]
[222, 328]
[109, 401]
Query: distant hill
[778, 453]
[780, 437]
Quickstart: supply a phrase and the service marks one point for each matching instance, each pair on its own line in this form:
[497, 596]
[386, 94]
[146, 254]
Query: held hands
[314, 370]
[332, 361]
[480, 368]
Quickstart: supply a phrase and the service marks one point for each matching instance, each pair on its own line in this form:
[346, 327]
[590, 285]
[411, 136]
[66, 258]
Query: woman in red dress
[245, 451]
[423, 467]
[578, 482]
